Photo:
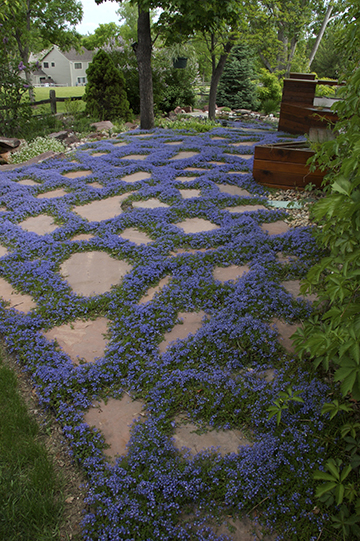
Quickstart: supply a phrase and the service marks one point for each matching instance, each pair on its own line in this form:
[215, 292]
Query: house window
[81, 80]
[46, 64]
[78, 65]
[53, 64]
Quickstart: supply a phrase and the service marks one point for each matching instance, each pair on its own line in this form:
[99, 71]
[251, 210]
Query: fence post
[52, 95]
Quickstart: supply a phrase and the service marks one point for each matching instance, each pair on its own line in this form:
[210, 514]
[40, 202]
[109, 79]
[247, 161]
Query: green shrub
[236, 88]
[105, 94]
[269, 91]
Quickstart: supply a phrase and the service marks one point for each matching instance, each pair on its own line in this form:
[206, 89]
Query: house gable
[66, 68]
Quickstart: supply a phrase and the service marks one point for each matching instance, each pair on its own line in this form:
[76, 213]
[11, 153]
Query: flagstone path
[94, 272]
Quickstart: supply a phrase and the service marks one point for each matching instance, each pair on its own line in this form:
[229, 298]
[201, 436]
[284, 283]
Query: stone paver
[244, 208]
[41, 224]
[3, 209]
[149, 204]
[78, 174]
[285, 330]
[152, 291]
[243, 144]
[196, 169]
[114, 420]
[105, 209]
[232, 190]
[183, 155]
[51, 195]
[28, 182]
[121, 144]
[134, 235]
[242, 156]
[219, 138]
[191, 322]
[189, 194]
[174, 143]
[99, 154]
[242, 529]
[226, 441]
[19, 301]
[196, 225]
[286, 258]
[180, 251]
[217, 163]
[233, 272]
[134, 157]
[83, 236]
[95, 184]
[185, 179]
[93, 273]
[275, 228]
[238, 172]
[3, 251]
[293, 287]
[81, 339]
[136, 177]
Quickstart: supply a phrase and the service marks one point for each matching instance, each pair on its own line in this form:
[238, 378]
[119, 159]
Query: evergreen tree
[105, 93]
[236, 88]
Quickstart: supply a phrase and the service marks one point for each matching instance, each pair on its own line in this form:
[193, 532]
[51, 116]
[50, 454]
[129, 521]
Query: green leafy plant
[283, 403]
[36, 147]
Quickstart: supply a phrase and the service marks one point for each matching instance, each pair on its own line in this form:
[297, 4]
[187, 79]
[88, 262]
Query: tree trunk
[217, 71]
[143, 55]
[321, 33]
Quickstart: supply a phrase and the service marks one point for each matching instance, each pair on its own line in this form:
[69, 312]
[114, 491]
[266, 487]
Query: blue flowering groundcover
[147, 494]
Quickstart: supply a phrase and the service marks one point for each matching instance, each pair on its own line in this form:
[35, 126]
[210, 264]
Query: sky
[95, 15]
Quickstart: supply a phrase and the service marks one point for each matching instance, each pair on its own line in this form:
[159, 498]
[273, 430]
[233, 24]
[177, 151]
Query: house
[63, 68]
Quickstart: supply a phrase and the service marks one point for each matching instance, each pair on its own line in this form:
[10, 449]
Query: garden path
[62, 219]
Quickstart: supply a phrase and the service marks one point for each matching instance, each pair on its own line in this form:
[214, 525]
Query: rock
[8, 143]
[178, 110]
[4, 158]
[206, 109]
[104, 125]
[172, 115]
[71, 139]
[187, 109]
[130, 125]
[60, 135]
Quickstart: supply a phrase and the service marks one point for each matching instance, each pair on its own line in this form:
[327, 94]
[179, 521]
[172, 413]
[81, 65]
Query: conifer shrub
[237, 89]
[105, 94]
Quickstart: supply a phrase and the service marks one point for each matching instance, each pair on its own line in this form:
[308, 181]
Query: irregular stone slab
[41, 225]
[190, 251]
[195, 169]
[243, 144]
[243, 156]
[106, 209]
[95, 185]
[174, 143]
[189, 194]
[219, 138]
[233, 272]
[232, 190]
[293, 287]
[285, 331]
[3, 209]
[28, 182]
[98, 154]
[83, 236]
[275, 228]
[121, 144]
[134, 235]
[192, 321]
[244, 208]
[149, 204]
[51, 195]
[3, 251]
[226, 441]
[102, 125]
[19, 301]
[134, 157]
[196, 225]
[238, 529]
[114, 420]
[185, 179]
[93, 273]
[151, 292]
[286, 258]
[135, 177]
[184, 155]
[81, 339]
[78, 174]
[142, 135]
[218, 163]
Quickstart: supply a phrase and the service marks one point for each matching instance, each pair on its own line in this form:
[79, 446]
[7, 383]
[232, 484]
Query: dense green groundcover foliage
[331, 335]
[105, 93]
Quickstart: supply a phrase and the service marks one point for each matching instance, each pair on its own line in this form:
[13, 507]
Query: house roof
[74, 56]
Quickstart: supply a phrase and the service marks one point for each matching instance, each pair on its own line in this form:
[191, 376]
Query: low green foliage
[269, 91]
[331, 336]
[30, 499]
[198, 125]
[36, 147]
[283, 403]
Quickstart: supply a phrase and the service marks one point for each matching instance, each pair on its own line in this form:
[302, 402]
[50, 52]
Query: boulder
[104, 125]
[8, 143]
[60, 135]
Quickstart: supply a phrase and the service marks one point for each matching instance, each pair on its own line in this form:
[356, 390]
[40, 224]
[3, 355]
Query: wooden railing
[53, 100]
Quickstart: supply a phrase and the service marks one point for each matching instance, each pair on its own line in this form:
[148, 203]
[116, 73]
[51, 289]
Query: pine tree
[105, 93]
[236, 89]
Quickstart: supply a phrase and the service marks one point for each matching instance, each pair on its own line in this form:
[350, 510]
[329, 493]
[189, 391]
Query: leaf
[323, 476]
[332, 467]
[327, 487]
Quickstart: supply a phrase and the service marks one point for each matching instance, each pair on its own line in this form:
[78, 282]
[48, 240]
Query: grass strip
[31, 501]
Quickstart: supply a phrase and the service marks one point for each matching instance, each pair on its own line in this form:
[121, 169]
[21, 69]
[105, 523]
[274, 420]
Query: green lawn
[31, 500]
[43, 93]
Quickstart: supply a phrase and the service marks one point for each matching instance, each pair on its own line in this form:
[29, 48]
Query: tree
[236, 88]
[102, 34]
[105, 94]
[32, 25]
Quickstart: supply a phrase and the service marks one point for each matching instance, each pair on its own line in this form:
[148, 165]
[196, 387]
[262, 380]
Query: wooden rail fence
[53, 100]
